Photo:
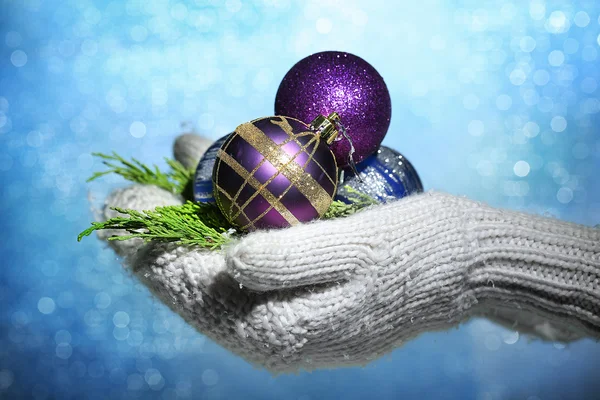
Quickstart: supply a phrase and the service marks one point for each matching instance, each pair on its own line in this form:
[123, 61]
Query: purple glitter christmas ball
[274, 172]
[342, 82]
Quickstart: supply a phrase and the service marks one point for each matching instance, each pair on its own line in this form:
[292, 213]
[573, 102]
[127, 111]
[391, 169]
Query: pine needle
[178, 180]
[191, 223]
[358, 201]
[200, 224]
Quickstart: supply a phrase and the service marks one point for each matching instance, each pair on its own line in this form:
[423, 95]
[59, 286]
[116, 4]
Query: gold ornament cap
[327, 127]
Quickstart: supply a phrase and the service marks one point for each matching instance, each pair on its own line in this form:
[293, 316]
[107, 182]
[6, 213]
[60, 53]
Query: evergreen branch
[178, 180]
[184, 178]
[180, 173]
[358, 202]
[191, 223]
[200, 224]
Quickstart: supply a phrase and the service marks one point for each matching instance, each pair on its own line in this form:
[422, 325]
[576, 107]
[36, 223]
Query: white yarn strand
[346, 291]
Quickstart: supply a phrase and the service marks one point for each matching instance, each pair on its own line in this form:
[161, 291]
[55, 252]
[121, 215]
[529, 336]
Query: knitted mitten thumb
[426, 262]
[346, 291]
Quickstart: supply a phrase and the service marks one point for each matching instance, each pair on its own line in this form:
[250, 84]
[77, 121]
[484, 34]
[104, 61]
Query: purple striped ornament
[274, 172]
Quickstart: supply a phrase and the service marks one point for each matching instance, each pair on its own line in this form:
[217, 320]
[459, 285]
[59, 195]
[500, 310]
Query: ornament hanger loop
[329, 127]
[326, 127]
[351, 163]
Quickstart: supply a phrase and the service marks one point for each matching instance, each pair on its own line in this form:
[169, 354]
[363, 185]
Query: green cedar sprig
[358, 202]
[178, 180]
[200, 224]
[191, 223]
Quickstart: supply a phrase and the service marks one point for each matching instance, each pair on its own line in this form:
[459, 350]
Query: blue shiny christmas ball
[386, 175]
[203, 186]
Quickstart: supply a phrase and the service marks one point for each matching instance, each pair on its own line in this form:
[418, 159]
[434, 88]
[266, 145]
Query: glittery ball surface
[386, 175]
[203, 186]
[274, 172]
[333, 81]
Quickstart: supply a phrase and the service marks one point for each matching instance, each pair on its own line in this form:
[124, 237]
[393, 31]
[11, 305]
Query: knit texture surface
[349, 290]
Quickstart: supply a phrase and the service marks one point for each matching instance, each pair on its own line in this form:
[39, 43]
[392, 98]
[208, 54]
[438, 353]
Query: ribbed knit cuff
[542, 265]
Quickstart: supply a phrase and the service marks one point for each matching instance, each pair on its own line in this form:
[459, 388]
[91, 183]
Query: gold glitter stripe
[325, 172]
[305, 183]
[216, 173]
[276, 150]
[287, 128]
[334, 183]
[256, 192]
[285, 125]
[275, 175]
[302, 149]
[312, 157]
[242, 186]
[259, 187]
[220, 189]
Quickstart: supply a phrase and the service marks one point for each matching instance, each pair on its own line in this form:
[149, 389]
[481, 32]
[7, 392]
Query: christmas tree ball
[386, 175]
[203, 186]
[342, 82]
[274, 172]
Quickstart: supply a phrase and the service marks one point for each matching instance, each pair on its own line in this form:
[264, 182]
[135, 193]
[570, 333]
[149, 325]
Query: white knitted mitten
[346, 291]
[189, 147]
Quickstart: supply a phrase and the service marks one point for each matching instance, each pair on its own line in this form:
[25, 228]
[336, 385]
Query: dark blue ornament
[386, 175]
[203, 186]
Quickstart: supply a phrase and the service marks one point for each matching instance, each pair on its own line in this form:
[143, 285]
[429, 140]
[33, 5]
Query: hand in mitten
[346, 291]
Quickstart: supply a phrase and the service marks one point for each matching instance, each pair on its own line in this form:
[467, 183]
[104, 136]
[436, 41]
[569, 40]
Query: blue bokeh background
[495, 100]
